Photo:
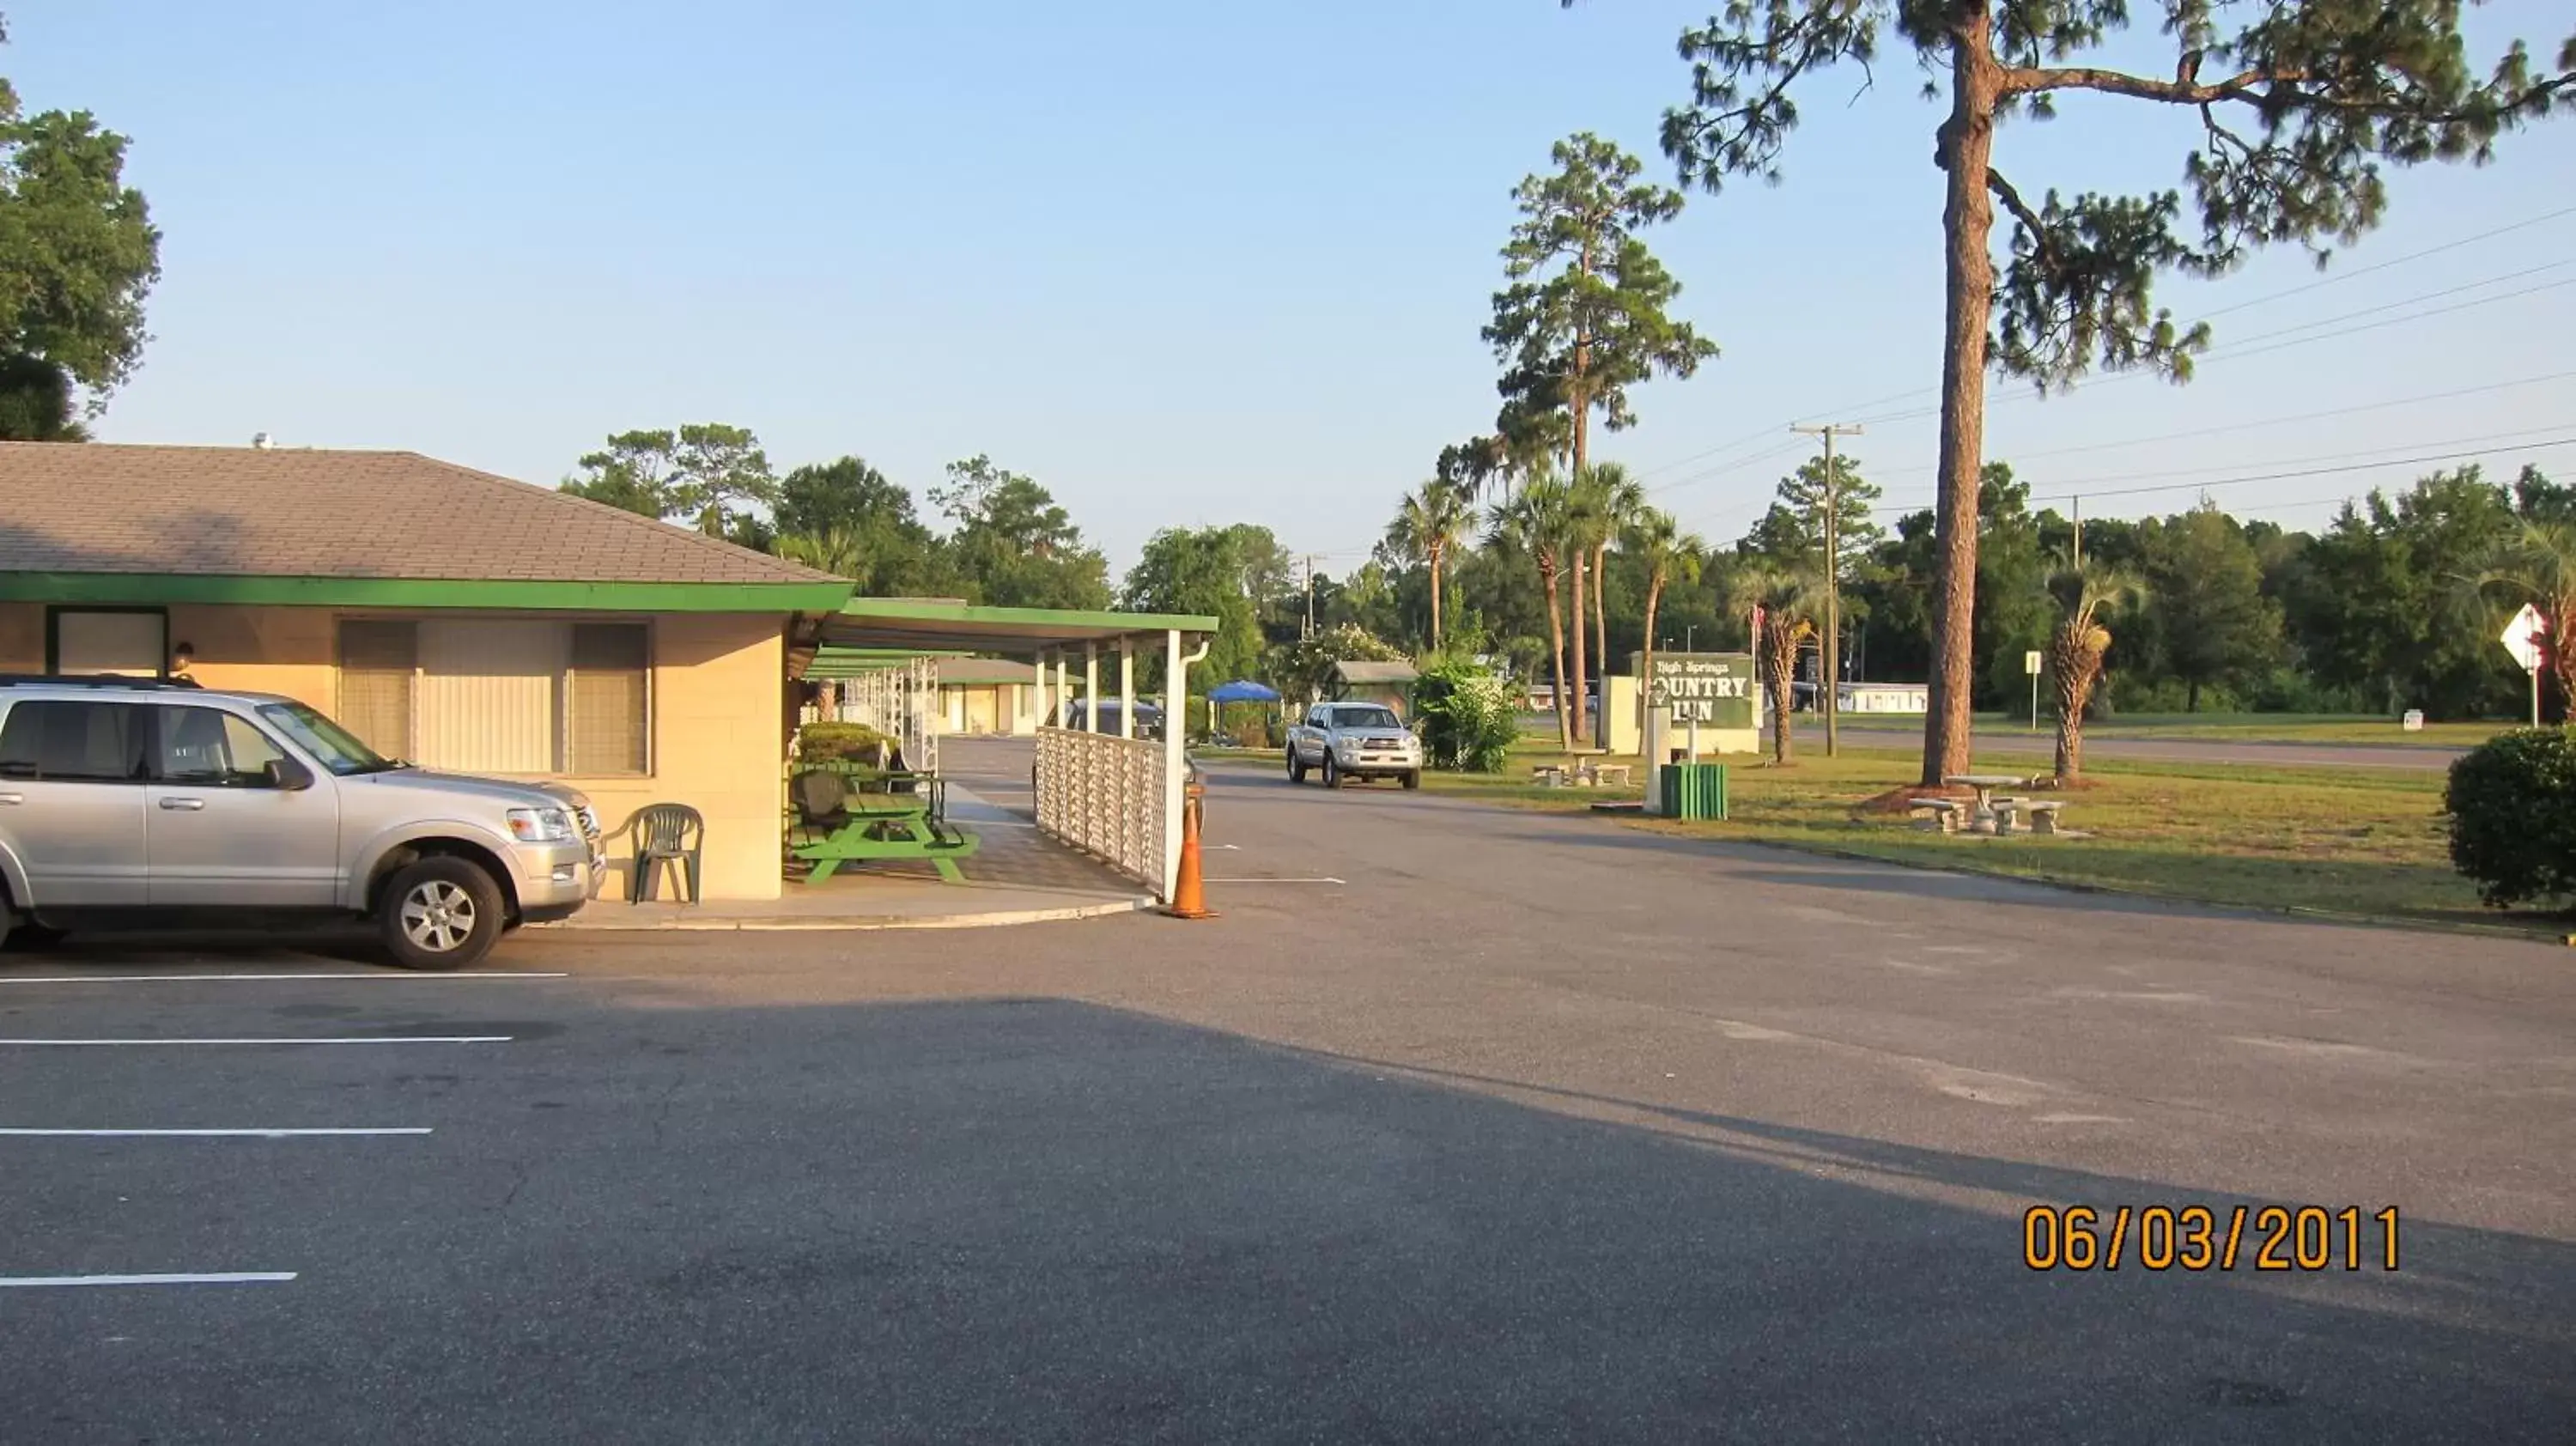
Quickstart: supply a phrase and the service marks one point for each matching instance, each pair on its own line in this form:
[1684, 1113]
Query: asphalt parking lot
[1511, 1133]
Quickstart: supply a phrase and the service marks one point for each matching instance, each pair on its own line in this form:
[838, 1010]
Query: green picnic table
[847, 813]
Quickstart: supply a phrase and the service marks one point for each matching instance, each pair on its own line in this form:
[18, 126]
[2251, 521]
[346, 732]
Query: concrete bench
[1551, 775]
[2041, 816]
[1601, 773]
[1945, 814]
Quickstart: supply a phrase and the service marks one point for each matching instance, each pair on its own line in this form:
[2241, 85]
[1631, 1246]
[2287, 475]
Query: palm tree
[1668, 555]
[2085, 592]
[839, 551]
[1790, 600]
[1426, 526]
[2539, 568]
[1588, 525]
[1622, 500]
[1535, 520]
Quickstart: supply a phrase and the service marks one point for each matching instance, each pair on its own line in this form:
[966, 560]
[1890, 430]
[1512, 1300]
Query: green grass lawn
[2357, 842]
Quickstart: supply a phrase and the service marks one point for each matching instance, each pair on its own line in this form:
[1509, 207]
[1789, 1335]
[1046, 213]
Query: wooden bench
[1944, 814]
[830, 825]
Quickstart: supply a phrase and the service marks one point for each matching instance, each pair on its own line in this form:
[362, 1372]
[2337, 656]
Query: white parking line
[237, 1277]
[207, 1134]
[241, 978]
[386, 1039]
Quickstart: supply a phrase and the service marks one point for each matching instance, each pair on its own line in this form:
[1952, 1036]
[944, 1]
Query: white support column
[1063, 690]
[1091, 687]
[1176, 768]
[1127, 689]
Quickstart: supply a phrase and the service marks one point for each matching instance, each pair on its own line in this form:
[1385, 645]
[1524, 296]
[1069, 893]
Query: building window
[133, 642]
[487, 695]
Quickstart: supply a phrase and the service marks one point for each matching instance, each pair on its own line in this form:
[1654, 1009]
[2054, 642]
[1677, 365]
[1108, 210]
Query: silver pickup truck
[1346, 741]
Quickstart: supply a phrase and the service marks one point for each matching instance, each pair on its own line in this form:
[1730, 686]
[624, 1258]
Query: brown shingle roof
[255, 512]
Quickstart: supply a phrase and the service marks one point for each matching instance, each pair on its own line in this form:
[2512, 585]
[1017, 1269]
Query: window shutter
[489, 694]
[377, 663]
[606, 724]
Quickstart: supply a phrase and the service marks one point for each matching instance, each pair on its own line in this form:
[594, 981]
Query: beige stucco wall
[717, 696]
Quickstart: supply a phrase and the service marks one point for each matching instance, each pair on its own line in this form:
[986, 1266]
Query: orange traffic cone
[1189, 893]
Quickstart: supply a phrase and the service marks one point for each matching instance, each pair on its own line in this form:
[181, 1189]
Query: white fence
[1106, 795]
[902, 702]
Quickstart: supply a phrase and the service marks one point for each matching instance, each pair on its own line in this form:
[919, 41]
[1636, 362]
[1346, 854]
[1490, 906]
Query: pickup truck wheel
[1413, 778]
[1296, 767]
[1332, 773]
[440, 913]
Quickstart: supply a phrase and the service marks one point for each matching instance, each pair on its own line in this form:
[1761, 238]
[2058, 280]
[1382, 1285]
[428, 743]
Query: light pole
[1690, 633]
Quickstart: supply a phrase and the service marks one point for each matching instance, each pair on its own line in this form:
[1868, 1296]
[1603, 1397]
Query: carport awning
[917, 626]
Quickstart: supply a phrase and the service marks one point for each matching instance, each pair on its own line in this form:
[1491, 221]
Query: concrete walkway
[1016, 876]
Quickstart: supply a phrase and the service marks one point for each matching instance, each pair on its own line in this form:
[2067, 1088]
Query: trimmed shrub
[2512, 803]
[842, 742]
[1469, 717]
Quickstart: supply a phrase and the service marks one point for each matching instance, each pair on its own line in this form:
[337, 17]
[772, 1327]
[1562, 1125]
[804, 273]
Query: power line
[2316, 471]
[2087, 484]
[2246, 305]
[2260, 423]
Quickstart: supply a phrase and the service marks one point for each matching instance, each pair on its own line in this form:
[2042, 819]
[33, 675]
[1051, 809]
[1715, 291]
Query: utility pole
[1829, 695]
[1310, 597]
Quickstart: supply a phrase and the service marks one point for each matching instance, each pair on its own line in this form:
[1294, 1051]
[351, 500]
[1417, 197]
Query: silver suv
[132, 803]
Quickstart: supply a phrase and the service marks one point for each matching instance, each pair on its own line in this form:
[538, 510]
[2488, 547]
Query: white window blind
[500, 695]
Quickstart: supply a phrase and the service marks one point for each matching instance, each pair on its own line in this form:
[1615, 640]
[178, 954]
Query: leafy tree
[2538, 567]
[2300, 105]
[701, 472]
[1202, 570]
[2014, 614]
[1304, 669]
[2378, 607]
[1427, 525]
[2207, 587]
[865, 524]
[1788, 600]
[2085, 592]
[1536, 522]
[78, 255]
[1013, 545]
[1668, 555]
[1793, 531]
[1584, 318]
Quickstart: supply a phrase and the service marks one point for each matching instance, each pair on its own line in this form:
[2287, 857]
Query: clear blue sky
[1182, 262]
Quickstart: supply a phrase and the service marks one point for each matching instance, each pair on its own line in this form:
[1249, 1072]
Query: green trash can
[1693, 790]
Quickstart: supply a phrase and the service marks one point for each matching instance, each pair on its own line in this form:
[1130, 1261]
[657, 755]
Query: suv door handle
[187, 805]
[13, 798]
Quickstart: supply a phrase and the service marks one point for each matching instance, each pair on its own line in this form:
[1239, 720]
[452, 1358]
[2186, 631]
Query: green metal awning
[916, 625]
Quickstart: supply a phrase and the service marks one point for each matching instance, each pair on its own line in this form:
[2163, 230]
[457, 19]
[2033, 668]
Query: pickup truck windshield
[1365, 718]
[336, 747]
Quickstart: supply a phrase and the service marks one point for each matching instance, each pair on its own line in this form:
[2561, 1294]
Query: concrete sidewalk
[1016, 876]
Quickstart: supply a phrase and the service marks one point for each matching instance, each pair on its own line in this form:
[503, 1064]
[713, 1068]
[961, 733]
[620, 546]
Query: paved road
[1537, 1129]
[2016, 742]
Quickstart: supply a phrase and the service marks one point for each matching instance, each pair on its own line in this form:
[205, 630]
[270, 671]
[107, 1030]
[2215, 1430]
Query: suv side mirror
[287, 774]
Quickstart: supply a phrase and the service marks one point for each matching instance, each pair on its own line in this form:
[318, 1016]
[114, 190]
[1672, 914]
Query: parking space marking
[244, 978]
[384, 1039]
[234, 1277]
[245, 1134]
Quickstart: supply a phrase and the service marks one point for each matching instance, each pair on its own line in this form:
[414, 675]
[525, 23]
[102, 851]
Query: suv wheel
[440, 913]
[1296, 766]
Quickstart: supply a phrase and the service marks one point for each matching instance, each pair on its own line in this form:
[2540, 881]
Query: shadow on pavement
[1036, 1220]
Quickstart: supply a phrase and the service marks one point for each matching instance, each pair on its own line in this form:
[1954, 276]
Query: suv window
[212, 747]
[75, 740]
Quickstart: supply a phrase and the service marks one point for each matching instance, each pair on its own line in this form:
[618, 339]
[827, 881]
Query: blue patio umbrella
[1242, 690]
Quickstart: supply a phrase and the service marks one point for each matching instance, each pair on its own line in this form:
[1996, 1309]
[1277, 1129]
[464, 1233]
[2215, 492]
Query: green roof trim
[409, 592]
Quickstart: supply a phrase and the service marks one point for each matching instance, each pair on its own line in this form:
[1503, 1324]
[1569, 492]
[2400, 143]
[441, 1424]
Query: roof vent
[262, 441]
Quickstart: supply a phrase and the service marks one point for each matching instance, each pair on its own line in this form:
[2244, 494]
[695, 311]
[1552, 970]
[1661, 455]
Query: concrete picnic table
[1982, 820]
